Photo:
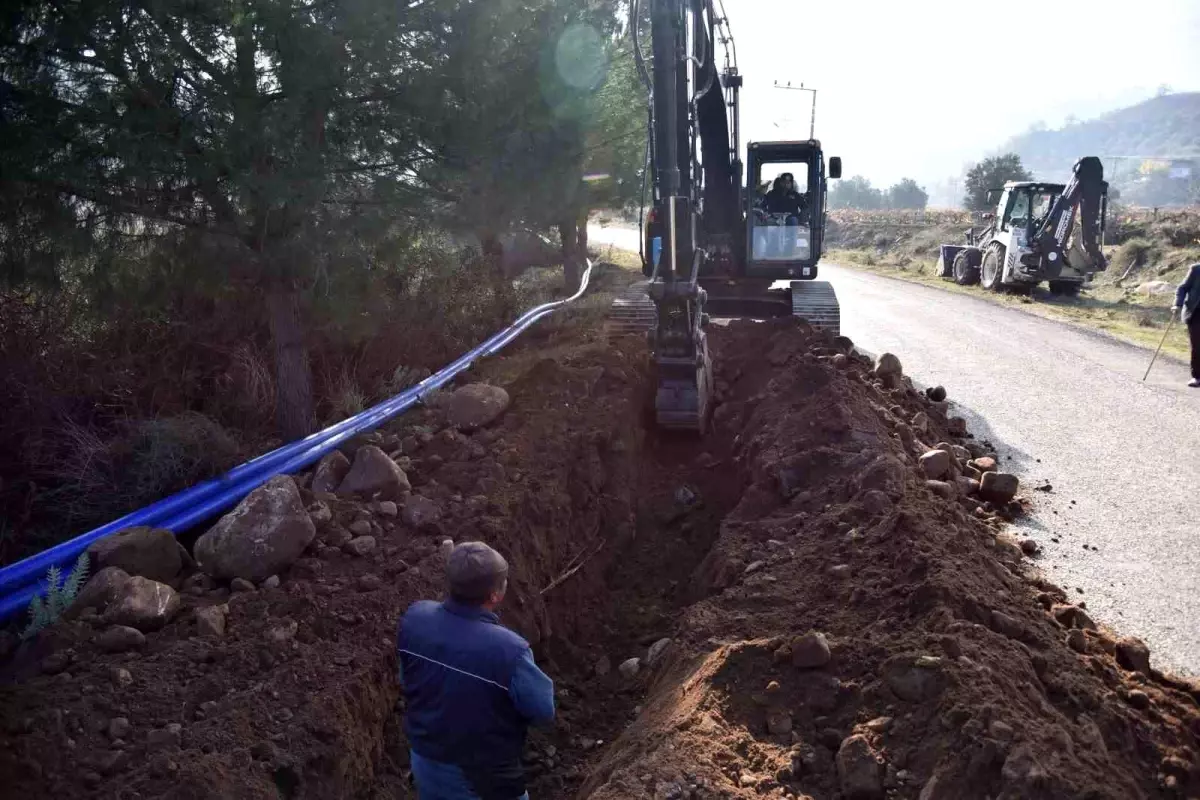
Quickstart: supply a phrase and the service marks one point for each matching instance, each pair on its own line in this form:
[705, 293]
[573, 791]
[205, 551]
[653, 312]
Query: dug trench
[811, 615]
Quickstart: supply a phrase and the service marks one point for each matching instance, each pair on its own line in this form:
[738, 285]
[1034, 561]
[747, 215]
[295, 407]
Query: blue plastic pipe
[19, 582]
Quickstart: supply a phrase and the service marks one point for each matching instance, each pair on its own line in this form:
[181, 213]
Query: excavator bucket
[632, 311]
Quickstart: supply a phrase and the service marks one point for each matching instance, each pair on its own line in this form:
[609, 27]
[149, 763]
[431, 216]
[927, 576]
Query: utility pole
[812, 123]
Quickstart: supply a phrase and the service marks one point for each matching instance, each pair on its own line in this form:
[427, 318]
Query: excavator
[1029, 238]
[713, 246]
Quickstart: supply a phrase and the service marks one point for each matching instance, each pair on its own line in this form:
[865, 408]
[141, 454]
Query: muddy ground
[838, 627]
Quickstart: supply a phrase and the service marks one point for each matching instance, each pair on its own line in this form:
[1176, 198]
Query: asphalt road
[1067, 407]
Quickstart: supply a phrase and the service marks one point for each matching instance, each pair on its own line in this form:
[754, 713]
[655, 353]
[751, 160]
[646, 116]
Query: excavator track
[632, 311]
[816, 303]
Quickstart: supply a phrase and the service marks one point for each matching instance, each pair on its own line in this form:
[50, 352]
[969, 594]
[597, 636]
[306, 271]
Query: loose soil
[948, 675]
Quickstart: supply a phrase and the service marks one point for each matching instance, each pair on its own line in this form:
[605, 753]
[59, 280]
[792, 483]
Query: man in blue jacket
[470, 685]
[1187, 298]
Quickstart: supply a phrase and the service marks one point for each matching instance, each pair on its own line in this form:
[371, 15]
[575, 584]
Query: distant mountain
[1151, 151]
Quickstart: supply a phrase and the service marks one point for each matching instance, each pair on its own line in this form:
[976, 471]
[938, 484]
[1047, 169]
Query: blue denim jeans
[438, 781]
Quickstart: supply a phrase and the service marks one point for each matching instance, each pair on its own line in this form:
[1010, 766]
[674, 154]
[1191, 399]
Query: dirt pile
[868, 633]
[810, 612]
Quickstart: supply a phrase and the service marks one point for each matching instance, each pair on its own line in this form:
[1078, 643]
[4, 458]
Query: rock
[360, 527]
[262, 536]
[101, 589]
[1077, 640]
[420, 512]
[1149, 288]
[779, 722]
[920, 422]
[238, 585]
[336, 537]
[320, 514]
[998, 487]
[150, 552]
[1010, 627]
[984, 464]
[656, 650]
[1138, 699]
[966, 486]
[940, 488]
[603, 666]
[840, 571]
[888, 364]
[373, 473]
[120, 677]
[360, 546]
[199, 583]
[840, 361]
[956, 426]
[210, 620]
[1029, 547]
[914, 680]
[167, 738]
[119, 728]
[935, 463]
[388, 508]
[120, 638]
[629, 667]
[810, 650]
[56, 662]
[1021, 767]
[331, 471]
[1132, 654]
[272, 582]
[369, 582]
[282, 632]
[859, 769]
[143, 604]
[1070, 616]
[476, 405]
[446, 548]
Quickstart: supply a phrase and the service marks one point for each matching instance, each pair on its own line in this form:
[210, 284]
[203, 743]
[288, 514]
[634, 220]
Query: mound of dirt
[942, 666]
[809, 614]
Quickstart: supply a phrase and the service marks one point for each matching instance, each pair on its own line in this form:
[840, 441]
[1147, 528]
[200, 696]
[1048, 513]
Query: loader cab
[1024, 205]
[785, 232]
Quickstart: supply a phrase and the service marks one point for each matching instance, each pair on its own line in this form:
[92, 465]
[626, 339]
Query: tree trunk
[293, 381]
[493, 257]
[568, 233]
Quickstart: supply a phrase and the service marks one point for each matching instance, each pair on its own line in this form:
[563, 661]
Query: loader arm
[1086, 193]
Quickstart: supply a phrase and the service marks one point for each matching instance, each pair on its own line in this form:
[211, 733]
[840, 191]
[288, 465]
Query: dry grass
[1122, 313]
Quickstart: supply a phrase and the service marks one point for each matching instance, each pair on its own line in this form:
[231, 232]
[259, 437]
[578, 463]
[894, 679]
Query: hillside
[1166, 128]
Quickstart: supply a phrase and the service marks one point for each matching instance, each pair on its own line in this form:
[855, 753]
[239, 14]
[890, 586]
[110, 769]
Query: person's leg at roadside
[1194, 335]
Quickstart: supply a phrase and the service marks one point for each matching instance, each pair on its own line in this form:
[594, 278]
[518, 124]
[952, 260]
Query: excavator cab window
[781, 211]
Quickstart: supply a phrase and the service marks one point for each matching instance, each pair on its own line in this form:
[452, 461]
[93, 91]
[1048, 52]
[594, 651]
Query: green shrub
[60, 594]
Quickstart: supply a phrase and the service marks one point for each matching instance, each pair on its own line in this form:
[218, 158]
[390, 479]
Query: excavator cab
[785, 228]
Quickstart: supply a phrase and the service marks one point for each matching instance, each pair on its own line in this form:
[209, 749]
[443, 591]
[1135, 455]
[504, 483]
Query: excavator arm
[1087, 192]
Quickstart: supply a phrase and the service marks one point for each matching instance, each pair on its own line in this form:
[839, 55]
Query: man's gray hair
[474, 571]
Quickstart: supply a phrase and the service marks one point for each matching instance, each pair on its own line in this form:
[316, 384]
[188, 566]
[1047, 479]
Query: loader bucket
[945, 264]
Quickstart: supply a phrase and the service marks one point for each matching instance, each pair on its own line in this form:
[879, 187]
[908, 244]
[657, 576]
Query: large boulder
[150, 552]
[859, 769]
[476, 405]
[261, 537]
[331, 471]
[143, 604]
[936, 463]
[373, 474]
[999, 487]
[888, 364]
[100, 590]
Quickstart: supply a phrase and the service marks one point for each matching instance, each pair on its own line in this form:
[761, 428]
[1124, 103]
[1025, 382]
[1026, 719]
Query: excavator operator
[784, 199]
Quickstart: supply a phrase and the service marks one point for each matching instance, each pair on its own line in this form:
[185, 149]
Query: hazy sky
[902, 86]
